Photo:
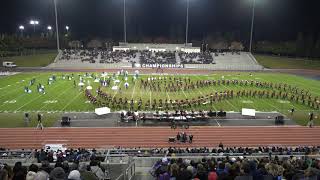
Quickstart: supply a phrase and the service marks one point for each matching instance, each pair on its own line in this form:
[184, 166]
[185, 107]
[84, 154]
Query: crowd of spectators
[237, 168]
[146, 57]
[149, 57]
[117, 56]
[60, 171]
[221, 150]
[96, 55]
[196, 58]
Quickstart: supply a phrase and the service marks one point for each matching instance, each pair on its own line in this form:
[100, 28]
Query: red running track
[28, 138]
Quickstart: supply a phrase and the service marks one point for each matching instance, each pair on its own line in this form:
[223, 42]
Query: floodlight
[49, 28]
[21, 27]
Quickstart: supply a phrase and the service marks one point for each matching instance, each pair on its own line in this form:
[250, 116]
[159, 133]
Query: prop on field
[32, 81]
[102, 111]
[126, 85]
[27, 90]
[96, 80]
[89, 87]
[41, 89]
[81, 84]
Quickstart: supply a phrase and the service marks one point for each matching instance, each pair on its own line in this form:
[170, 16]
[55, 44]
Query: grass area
[274, 62]
[63, 96]
[37, 60]
[13, 120]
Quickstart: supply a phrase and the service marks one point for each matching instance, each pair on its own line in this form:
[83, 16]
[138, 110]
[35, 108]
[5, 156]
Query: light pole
[34, 23]
[49, 28]
[252, 24]
[57, 27]
[21, 28]
[67, 28]
[124, 22]
[187, 23]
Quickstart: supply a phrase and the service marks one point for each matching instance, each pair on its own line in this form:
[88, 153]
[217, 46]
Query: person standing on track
[26, 119]
[310, 123]
[40, 125]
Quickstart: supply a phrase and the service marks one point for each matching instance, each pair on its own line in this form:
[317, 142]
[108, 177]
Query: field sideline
[63, 96]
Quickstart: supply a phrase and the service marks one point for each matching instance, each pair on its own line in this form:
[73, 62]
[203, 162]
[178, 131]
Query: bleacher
[101, 59]
[144, 163]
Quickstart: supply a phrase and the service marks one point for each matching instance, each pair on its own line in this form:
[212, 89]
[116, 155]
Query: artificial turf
[62, 96]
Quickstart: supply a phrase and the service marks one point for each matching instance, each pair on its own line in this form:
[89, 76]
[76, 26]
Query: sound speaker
[279, 120]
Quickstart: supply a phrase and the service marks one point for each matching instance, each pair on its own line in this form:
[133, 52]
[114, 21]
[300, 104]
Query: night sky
[275, 19]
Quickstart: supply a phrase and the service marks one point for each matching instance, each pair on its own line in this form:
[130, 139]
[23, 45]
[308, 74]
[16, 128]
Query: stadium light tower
[49, 28]
[57, 27]
[34, 23]
[187, 22]
[252, 24]
[124, 22]
[67, 28]
[21, 28]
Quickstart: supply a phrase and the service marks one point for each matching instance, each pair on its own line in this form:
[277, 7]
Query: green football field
[64, 95]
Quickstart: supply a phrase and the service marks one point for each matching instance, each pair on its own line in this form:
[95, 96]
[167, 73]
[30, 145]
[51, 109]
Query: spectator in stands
[4, 175]
[19, 172]
[85, 173]
[97, 170]
[74, 175]
[42, 175]
[31, 175]
[57, 174]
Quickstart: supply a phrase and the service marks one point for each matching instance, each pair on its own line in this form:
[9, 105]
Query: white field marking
[10, 86]
[150, 96]
[247, 102]
[134, 89]
[56, 97]
[10, 102]
[37, 97]
[168, 95]
[184, 93]
[242, 97]
[279, 110]
[117, 90]
[50, 102]
[284, 102]
[202, 94]
[71, 101]
[216, 91]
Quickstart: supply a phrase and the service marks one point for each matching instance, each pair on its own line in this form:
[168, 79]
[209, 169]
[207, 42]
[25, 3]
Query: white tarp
[248, 112]
[102, 111]
[55, 147]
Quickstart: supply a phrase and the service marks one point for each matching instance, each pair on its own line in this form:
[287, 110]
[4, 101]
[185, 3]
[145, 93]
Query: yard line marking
[37, 97]
[57, 97]
[117, 90]
[134, 88]
[150, 96]
[14, 99]
[184, 93]
[168, 95]
[70, 102]
[16, 89]
[215, 91]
